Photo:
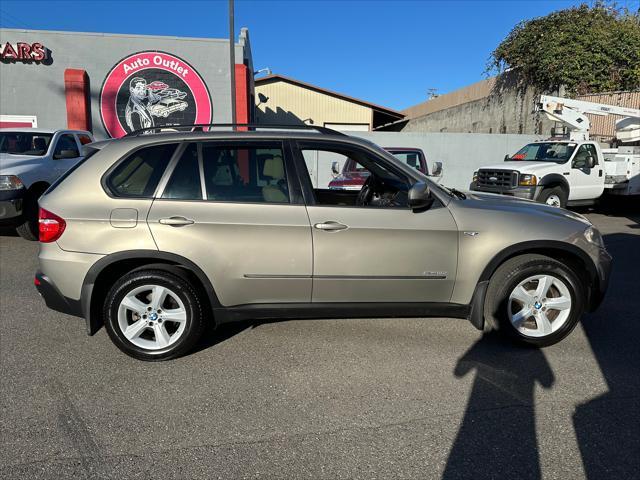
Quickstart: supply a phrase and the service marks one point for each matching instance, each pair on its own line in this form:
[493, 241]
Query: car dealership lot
[323, 398]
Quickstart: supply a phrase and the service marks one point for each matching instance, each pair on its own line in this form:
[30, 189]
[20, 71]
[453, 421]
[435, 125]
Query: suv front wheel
[534, 299]
[153, 315]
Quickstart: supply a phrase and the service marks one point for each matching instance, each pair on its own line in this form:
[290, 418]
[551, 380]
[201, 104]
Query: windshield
[545, 152]
[411, 158]
[25, 143]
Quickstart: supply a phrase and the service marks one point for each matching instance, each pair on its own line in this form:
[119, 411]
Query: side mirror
[420, 197]
[591, 162]
[335, 168]
[507, 157]
[436, 169]
[66, 154]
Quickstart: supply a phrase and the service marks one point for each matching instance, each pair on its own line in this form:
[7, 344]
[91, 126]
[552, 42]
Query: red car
[354, 175]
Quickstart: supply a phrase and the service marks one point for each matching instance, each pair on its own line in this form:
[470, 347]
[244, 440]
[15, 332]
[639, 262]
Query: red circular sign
[152, 89]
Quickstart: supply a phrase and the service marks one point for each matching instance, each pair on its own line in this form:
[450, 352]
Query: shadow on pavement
[608, 426]
[498, 433]
[223, 333]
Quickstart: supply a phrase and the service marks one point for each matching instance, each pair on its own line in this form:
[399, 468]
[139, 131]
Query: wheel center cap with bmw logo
[153, 89]
[153, 316]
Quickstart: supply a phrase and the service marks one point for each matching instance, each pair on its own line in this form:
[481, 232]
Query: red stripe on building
[242, 94]
[76, 88]
[242, 115]
[16, 125]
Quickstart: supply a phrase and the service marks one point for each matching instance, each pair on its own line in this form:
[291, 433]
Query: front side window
[25, 143]
[582, 155]
[66, 147]
[254, 174]
[364, 182]
[138, 175]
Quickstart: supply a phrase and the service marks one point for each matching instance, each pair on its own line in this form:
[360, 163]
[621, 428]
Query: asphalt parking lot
[419, 398]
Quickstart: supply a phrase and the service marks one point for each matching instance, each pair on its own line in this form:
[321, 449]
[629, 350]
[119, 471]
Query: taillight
[50, 226]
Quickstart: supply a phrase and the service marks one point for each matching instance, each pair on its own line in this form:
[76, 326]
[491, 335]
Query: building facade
[282, 100]
[111, 84]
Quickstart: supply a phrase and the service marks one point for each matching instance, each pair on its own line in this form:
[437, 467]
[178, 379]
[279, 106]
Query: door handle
[176, 221]
[330, 226]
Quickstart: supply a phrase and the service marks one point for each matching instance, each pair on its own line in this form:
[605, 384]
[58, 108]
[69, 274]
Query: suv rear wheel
[153, 315]
[534, 299]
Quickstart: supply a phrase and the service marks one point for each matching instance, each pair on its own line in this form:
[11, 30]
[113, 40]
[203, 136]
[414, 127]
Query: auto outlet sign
[151, 89]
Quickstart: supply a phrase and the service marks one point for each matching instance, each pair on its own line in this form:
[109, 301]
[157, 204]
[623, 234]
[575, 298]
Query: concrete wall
[509, 111]
[460, 153]
[38, 89]
[292, 104]
[497, 105]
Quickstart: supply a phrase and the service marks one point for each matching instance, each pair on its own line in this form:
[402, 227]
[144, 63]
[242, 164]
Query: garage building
[285, 101]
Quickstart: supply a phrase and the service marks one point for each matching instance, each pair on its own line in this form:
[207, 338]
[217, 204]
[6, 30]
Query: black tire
[554, 192]
[194, 325]
[28, 229]
[514, 271]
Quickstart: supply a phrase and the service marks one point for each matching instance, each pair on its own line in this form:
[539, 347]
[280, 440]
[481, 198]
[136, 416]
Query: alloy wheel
[539, 305]
[152, 317]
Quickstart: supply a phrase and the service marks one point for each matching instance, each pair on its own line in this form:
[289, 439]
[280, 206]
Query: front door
[586, 183]
[66, 153]
[229, 209]
[377, 249]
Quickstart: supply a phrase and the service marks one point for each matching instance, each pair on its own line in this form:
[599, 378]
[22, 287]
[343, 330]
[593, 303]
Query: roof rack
[200, 127]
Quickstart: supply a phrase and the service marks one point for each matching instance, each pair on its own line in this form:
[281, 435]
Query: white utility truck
[574, 170]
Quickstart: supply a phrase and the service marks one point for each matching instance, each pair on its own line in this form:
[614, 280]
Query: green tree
[586, 48]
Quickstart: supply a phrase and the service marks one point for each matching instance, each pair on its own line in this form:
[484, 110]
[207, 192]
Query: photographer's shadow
[497, 436]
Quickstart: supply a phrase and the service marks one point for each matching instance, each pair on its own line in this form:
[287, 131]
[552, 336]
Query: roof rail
[200, 127]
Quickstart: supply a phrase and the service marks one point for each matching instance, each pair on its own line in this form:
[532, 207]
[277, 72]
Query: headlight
[592, 234]
[528, 180]
[475, 176]
[10, 182]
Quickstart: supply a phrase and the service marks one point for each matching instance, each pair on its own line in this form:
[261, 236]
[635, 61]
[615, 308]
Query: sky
[382, 51]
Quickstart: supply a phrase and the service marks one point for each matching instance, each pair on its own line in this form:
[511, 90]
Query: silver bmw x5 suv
[157, 235]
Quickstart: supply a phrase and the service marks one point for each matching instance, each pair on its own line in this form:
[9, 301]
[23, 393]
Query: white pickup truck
[563, 173]
[30, 161]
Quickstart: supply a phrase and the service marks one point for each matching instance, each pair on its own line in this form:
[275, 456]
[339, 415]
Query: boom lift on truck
[573, 170]
[571, 113]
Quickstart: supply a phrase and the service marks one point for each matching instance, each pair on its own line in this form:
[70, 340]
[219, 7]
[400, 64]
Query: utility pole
[232, 62]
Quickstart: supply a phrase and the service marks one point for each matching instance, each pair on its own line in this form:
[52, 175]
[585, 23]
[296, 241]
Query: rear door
[231, 209]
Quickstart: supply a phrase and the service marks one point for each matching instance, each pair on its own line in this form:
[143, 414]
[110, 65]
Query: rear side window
[185, 183]
[84, 139]
[249, 174]
[138, 175]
